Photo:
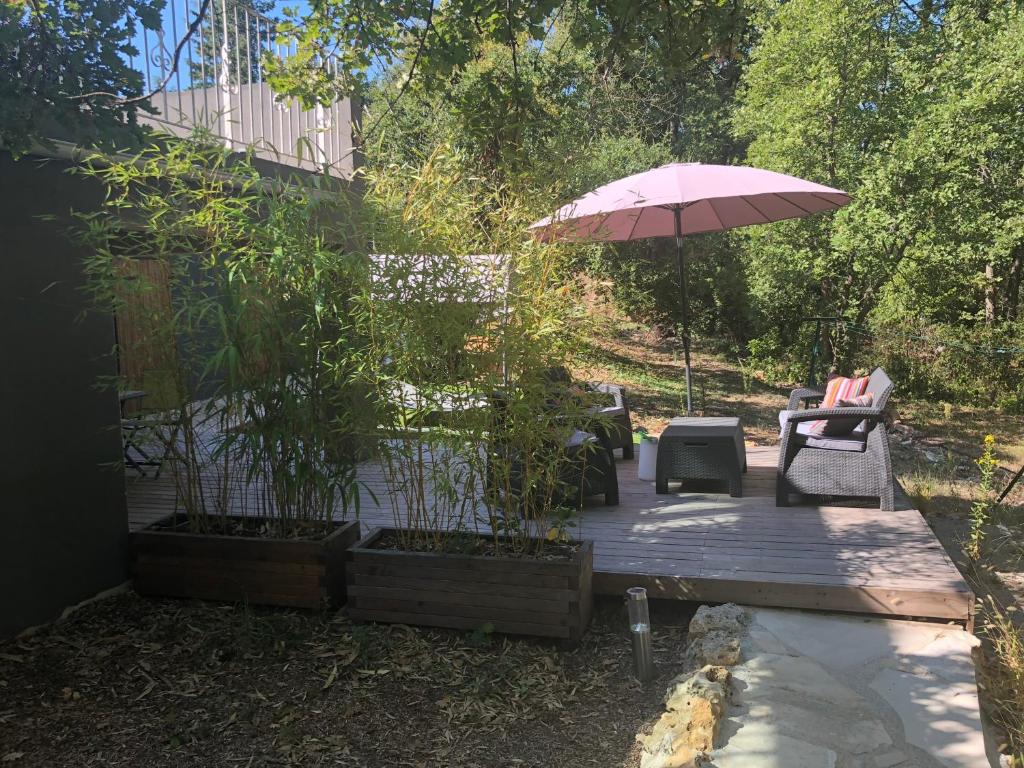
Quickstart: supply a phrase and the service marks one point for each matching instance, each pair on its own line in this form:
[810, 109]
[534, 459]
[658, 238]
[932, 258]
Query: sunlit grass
[1003, 674]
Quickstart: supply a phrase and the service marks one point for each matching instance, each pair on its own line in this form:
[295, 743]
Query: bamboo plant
[258, 404]
[463, 315]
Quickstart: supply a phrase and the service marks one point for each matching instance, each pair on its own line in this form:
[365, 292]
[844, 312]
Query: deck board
[700, 544]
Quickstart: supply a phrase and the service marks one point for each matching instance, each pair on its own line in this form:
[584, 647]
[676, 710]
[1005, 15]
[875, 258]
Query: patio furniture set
[828, 448]
[832, 447]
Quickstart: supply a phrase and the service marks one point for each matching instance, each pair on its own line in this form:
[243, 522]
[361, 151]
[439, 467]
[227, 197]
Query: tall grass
[1003, 674]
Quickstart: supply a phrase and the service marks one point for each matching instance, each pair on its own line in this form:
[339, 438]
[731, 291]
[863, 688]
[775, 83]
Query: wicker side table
[702, 449]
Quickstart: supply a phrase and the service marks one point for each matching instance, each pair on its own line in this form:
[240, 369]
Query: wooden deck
[709, 547]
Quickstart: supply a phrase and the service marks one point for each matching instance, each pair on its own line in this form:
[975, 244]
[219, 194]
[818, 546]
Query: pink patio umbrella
[683, 199]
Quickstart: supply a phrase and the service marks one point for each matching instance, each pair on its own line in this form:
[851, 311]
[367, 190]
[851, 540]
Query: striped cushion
[837, 427]
[839, 388]
[842, 388]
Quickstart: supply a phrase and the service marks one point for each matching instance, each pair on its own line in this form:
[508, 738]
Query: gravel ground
[136, 682]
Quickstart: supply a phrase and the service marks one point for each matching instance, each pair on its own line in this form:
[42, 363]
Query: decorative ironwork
[161, 55]
[220, 86]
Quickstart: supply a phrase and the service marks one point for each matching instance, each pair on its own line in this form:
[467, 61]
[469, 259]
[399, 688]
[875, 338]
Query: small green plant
[922, 490]
[982, 507]
[482, 635]
[561, 519]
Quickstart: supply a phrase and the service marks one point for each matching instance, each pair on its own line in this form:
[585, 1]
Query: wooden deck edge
[876, 601]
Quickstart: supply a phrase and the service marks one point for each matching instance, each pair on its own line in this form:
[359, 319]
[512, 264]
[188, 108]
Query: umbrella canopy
[684, 199]
[710, 198]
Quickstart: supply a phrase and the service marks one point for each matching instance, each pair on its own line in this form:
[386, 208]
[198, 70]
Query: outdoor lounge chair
[586, 465]
[618, 424]
[612, 409]
[852, 464]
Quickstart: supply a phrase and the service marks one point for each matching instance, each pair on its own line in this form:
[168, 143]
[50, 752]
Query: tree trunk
[990, 294]
[1011, 292]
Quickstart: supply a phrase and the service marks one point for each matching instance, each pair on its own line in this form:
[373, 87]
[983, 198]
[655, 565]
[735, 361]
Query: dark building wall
[63, 521]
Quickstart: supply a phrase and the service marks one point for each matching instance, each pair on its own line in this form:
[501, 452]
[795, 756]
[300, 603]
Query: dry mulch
[130, 681]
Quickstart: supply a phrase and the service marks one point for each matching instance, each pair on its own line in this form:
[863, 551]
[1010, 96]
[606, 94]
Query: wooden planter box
[285, 572]
[517, 596]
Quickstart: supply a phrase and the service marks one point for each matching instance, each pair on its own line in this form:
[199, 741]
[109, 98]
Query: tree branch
[192, 29]
[408, 79]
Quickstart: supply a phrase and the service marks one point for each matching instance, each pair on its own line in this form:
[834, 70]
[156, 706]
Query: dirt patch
[253, 527]
[130, 681]
[474, 544]
[652, 369]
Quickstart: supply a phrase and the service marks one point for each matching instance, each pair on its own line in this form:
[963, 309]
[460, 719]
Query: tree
[56, 57]
[824, 97]
[574, 112]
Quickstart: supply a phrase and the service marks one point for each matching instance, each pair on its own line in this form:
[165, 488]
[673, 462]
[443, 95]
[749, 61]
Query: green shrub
[254, 331]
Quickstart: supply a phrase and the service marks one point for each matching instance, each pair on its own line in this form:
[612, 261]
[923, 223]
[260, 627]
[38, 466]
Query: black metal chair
[148, 436]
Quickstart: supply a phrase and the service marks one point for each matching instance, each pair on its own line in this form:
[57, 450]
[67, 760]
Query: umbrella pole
[685, 299]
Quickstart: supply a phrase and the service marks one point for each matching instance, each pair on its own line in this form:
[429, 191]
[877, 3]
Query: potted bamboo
[481, 497]
[244, 301]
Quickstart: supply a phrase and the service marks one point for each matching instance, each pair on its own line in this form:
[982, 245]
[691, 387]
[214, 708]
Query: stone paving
[830, 691]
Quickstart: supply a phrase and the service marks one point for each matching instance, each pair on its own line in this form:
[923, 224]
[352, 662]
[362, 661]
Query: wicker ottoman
[702, 449]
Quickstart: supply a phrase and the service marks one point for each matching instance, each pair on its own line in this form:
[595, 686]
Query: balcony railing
[220, 86]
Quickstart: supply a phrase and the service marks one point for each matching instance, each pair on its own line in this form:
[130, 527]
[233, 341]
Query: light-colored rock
[714, 636]
[729, 618]
[852, 732]
[760, 640]
[940, 717]
[715, 647]
[845, 642]
[666, 746]
[948, 657]
[770, 676]
[687, 730]
[759, 746]
[823, 691]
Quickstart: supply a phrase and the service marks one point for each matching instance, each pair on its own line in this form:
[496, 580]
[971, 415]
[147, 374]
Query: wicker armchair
[855, 464]
[586, 466]
[619, 424]
[613, 418]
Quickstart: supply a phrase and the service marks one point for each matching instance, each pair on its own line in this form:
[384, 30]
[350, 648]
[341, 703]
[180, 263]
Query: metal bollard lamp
[640, 629]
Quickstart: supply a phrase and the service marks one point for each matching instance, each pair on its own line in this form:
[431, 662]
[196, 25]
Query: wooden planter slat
[208, 586]
[476, 563]
[296, 573]
[215, 593]
[398, 570]
[514, 595]
[226, 547]
[488, 588]
[243, 578]
[209, 563]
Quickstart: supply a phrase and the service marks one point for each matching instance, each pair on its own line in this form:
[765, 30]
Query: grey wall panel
[63, 521]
